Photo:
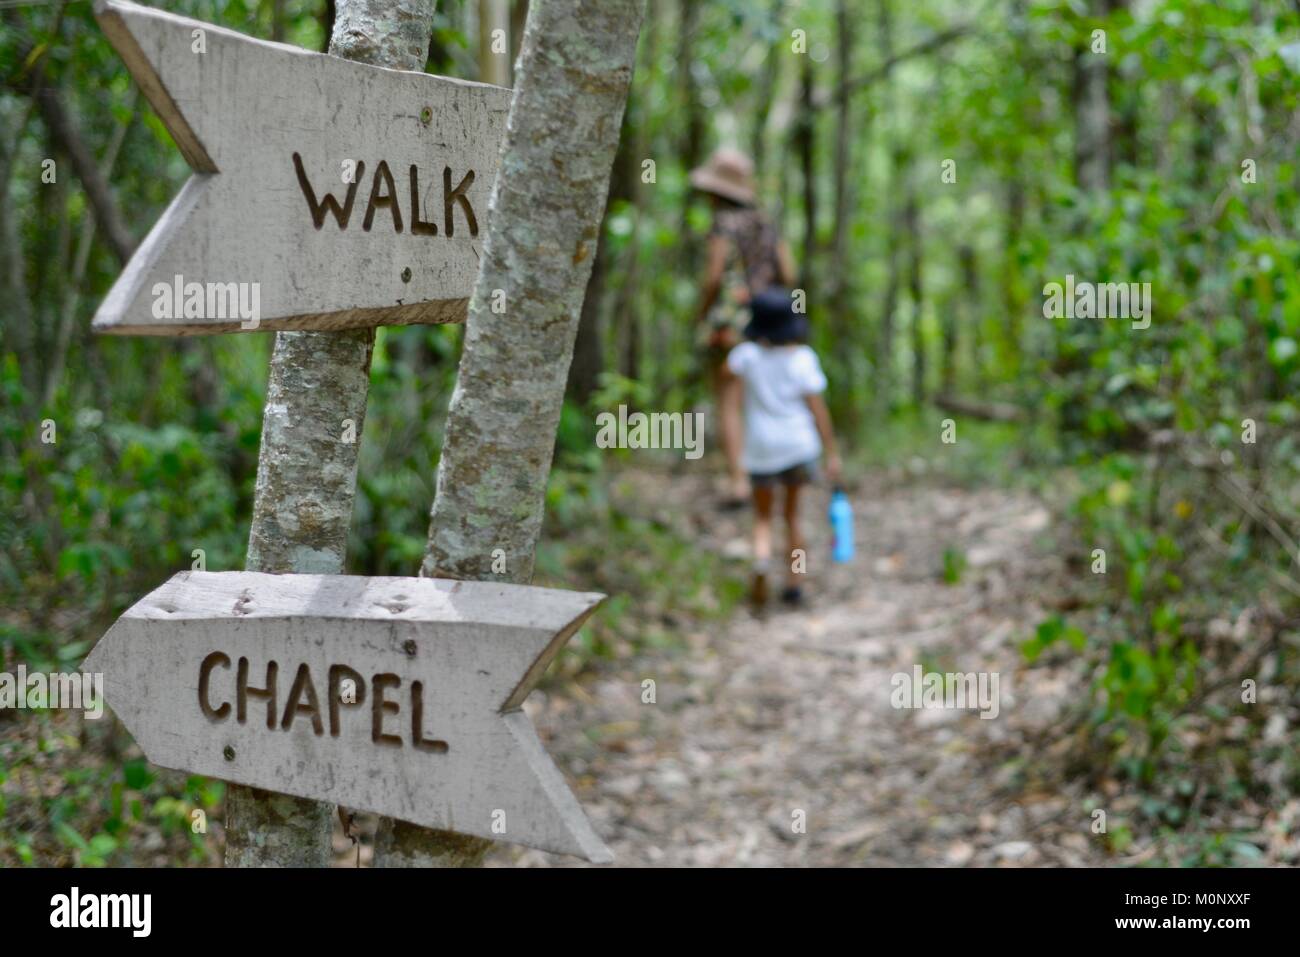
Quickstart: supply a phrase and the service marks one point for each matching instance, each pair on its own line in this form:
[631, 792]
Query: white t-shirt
[780, 431]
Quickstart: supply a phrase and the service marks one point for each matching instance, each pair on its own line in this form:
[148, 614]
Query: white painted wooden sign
[400, 696]
[327, 194]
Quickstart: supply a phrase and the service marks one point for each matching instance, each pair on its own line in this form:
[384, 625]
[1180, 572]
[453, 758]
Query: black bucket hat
[774, 318]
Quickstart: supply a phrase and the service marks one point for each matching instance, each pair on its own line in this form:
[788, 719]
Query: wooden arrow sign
[327, 194]
[400, 696]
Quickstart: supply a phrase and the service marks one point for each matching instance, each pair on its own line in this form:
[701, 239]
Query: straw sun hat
[729, 174]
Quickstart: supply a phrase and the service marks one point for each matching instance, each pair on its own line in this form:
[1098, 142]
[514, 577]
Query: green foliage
[108, 509]
[1136, 433]
[73, 808]
[954, 564]
[1050, 631]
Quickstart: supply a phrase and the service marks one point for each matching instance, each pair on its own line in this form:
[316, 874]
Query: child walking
[787, 427]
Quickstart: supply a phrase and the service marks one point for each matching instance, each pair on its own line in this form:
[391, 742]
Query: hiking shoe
[792, 595]
[758, 589]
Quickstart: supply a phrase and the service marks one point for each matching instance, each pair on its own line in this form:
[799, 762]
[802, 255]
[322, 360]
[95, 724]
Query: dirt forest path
[770, 715]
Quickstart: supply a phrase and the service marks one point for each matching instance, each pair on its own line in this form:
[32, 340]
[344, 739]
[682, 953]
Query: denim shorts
[802, 474]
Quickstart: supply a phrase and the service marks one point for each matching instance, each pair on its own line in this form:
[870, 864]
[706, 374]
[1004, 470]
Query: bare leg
[729, 426]
[728, 391]
[794, 535]
[763, 499]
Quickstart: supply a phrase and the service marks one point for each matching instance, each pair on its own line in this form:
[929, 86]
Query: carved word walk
[383, 195]
[311, 175]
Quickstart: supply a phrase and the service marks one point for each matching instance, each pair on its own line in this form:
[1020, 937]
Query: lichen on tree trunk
[307, 466]
[571, 87]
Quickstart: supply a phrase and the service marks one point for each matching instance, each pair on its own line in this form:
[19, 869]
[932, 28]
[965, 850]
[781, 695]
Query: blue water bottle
[841, 515]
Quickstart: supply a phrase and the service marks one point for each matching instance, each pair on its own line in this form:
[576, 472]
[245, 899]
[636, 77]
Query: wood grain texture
[239, 112]
[475, 649]
[306, 472]
[574, 70]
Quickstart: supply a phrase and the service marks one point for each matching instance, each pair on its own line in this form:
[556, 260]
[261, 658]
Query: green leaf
[137, 775]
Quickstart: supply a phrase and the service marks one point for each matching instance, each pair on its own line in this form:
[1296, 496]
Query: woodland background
[926, 303]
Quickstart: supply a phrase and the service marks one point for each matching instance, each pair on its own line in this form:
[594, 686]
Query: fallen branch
[975, 409]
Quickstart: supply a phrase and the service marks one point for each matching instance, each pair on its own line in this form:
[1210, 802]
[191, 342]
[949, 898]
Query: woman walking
[743, 257]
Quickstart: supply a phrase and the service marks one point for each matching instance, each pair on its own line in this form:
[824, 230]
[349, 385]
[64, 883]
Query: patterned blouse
[752, 262]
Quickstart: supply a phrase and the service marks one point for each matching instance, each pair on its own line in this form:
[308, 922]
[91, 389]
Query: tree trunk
[915, 287]
[1205, 131]
[327, 21]
[948, 353]
[18, 331]
[1013, 294]
[884, 390]
[306, 476]
[691, 148]
[277, 20]
[47, 262]
[574, 72]
[974, 316]
[804, 134]
[1126, 90]
[518, 16]
[589, 349]
[766, 91]
[884, 384]
[67, 317]
[947, 311]
[626, 312]
[840, 286]
[67, 139]
[691, 145]
[1092, 117]
[1125, 96]
[1013, 299]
